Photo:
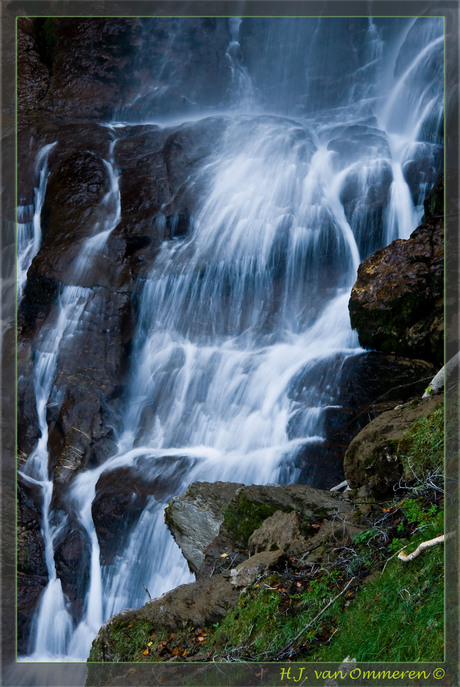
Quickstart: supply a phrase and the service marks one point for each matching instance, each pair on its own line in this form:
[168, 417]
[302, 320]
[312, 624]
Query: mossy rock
[242, 517]
[379, 456]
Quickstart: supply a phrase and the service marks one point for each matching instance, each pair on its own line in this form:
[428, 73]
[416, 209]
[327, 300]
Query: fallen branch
[293, 641]
[421, 547]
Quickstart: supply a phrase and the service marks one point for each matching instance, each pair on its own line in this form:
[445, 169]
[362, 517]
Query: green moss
[421, 448]
[124, 641]
[242, 517]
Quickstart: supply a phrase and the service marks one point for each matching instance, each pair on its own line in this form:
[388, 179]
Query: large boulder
[213, 522]
[187, 607]
[372, 460]
[195, 518]
[397, 302]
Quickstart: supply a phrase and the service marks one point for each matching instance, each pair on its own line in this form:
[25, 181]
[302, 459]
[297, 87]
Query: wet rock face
[72, 557]
[82, 85]
[32, 575]
[156, 205]
[33, 73]
[92, 67]
[353, 390]
[123, 493]
[397, 303]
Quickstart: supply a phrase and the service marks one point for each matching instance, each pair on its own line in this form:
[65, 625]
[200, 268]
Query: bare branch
[421, 547]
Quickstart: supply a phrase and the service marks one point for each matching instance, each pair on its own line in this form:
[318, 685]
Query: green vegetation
[395, 616]
[243, 517]
[399, 614]
[126, 643]
[421, 448]
[270, 614]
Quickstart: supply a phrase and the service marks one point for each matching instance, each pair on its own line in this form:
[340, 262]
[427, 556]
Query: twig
[148, 593]
[293, 641]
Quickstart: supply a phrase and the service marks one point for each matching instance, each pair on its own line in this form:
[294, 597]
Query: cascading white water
[242, 93]
[231, 314]
[29, 233]
[52, 627]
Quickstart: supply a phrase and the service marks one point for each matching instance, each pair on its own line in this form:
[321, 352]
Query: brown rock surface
[280, 531]
[371, 459]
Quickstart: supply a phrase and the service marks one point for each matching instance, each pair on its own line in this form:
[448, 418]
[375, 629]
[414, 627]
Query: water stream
[254, 296]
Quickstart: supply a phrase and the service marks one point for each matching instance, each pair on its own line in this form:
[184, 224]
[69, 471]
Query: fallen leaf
[201, 638]
[175, 651]
[149, 643]
[224, 555]
[145, 652]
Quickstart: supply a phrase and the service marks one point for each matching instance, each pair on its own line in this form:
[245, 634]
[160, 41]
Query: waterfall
[29, 233]
[242, 323]
[242, 94]
[52, 627]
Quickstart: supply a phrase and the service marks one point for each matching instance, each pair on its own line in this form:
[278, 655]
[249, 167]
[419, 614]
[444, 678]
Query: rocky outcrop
[397, 303]
[216, 524]
[372, 459]
[187, 607]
